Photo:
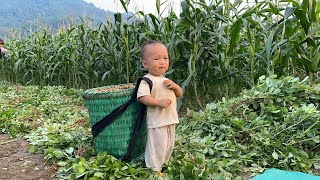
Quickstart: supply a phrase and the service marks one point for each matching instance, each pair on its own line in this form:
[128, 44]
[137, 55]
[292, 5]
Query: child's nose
[162, 61]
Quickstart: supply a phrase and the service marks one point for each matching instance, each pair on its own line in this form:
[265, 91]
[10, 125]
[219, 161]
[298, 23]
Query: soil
[16, 163]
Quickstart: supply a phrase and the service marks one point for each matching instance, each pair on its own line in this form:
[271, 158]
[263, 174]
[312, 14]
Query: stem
[292, 125]
[8, 141]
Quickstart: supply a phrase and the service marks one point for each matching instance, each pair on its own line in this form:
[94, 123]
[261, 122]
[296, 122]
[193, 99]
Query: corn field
[216, 49]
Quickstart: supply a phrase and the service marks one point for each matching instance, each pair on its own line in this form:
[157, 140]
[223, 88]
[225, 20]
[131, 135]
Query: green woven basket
[115, 138]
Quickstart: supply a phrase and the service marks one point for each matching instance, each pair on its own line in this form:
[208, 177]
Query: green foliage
[273, 125]
[276, 124]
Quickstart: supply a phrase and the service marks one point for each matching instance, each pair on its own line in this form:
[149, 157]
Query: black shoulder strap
[138, 125]
[107, 120]
[149, 82]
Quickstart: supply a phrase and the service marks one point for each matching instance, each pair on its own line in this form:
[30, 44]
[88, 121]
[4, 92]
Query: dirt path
[16, 163]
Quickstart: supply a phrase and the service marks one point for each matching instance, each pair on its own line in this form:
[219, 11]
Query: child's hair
[143, 47]
[1, 41]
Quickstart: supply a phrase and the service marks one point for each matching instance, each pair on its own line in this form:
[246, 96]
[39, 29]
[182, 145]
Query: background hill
[16, 14]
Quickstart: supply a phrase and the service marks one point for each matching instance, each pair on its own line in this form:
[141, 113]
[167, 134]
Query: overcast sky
[147, 6]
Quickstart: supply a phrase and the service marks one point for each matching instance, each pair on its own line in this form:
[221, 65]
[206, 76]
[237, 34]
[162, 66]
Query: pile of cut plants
[276, 124]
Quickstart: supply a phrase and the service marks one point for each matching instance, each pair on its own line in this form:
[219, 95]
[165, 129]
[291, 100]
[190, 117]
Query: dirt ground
[16, 163]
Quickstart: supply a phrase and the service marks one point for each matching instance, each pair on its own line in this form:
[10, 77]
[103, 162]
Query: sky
[147, 6]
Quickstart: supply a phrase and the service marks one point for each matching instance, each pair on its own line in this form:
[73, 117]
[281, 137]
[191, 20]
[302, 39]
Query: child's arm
[151, 101]
[173, 86]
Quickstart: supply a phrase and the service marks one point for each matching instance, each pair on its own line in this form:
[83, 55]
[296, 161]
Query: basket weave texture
[115, 138]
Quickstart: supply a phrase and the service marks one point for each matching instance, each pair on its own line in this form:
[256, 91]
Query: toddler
[161, 103]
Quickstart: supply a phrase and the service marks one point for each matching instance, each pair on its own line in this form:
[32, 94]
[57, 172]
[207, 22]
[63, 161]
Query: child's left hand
[173, 86]
[170, 84]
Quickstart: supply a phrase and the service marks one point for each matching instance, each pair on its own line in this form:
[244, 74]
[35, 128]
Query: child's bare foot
[159, 173]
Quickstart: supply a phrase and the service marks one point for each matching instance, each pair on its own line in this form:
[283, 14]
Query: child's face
[156, 59]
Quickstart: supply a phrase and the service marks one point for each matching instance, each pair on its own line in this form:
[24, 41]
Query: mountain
[16, 14]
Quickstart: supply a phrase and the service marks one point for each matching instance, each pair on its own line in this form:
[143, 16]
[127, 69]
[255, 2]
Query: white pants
[159, 147]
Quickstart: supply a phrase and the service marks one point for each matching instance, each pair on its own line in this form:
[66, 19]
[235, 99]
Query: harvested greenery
[276, 124]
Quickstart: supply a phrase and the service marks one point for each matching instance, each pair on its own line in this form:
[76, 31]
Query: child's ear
[144, 64]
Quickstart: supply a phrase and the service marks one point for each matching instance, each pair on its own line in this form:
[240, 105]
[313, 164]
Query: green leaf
[131, 170]
[288, 12]
[158, 6]
[276, 111]
[211, 152]
[235, 35]
[124, 168]
[70, 150]
[124, 5]
[316, 139]
[58, 153]
[99, 174]
[276, 91]
[225, 154]
[275, 155]
[81, 169]
[62, 163]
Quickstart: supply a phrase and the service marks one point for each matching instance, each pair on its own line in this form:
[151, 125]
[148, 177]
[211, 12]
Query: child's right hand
[164, 103]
